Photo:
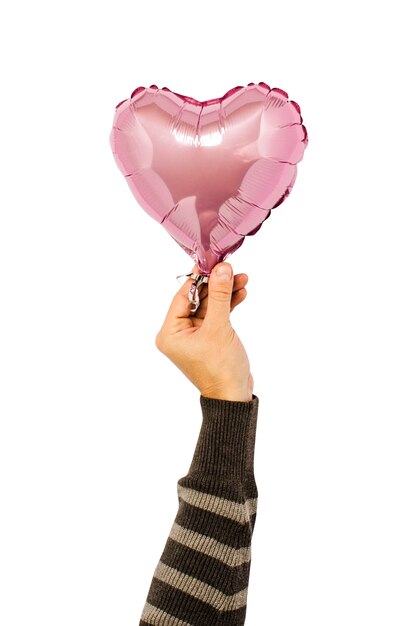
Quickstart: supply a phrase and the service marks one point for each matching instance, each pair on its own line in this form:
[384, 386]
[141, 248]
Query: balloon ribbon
[193, 296]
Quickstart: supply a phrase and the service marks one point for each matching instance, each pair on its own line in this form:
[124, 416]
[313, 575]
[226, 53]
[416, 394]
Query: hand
[204, 346]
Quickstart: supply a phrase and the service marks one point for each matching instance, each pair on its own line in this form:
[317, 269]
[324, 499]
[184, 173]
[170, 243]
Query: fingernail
[224, 272]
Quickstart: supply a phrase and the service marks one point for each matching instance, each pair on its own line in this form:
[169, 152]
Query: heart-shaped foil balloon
[210, 172]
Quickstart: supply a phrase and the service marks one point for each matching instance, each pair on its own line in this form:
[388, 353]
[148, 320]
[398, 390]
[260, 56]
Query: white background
[97, 425]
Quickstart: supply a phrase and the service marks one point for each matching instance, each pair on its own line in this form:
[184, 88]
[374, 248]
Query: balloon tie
[193, 295]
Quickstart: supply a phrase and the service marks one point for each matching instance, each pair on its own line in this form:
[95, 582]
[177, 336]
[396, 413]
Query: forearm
[203, 574]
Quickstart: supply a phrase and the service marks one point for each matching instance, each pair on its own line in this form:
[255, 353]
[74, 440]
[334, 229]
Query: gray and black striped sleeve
[203, 574]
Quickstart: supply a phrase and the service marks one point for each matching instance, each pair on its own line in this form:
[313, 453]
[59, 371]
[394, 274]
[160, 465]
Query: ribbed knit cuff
[226, 443]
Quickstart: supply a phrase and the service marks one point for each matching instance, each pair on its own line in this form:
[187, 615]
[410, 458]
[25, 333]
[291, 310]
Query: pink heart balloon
[210, 172]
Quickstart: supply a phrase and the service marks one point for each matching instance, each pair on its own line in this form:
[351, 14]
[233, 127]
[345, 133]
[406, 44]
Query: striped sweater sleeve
[202, 576]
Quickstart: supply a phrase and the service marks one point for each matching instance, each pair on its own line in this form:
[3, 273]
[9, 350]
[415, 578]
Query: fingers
[238, 295]
[237, 298]
[220, 289]
[180, 306]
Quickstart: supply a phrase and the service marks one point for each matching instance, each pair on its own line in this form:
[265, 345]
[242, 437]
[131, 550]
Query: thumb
[220, 287]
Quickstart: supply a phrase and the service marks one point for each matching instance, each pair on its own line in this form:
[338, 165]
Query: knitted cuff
[226, 442]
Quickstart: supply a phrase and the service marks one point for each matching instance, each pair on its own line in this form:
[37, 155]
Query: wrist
[232, 395]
